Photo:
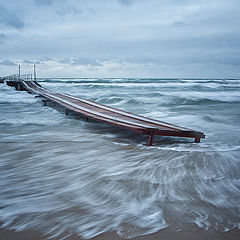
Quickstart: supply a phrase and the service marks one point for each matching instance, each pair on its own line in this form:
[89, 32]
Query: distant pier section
[99, 112]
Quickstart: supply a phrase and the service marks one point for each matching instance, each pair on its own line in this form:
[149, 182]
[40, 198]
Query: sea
[63, 175]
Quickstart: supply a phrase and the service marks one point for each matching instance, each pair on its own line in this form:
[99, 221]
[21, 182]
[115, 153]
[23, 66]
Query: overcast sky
[121, 38]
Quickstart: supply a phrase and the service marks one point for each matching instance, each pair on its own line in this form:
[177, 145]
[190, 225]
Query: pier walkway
[106, 114]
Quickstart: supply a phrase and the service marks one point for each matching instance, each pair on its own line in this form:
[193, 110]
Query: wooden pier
[106, 114]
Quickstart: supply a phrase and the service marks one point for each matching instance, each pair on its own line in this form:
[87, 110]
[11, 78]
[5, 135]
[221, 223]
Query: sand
[192, 233]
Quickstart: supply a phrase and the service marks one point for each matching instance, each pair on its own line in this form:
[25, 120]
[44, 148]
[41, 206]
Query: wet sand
[165, 234]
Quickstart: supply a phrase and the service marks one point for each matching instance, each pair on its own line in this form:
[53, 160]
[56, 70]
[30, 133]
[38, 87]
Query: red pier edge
[108, 115]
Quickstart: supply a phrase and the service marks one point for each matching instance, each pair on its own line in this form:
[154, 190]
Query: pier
[99, 112]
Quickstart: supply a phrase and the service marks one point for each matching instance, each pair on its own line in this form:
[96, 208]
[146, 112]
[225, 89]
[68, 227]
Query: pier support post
[87, 119]
[150, 141]
[45, 102]
[197, 140]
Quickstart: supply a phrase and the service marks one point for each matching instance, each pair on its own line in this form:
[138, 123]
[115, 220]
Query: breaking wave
[61, 175]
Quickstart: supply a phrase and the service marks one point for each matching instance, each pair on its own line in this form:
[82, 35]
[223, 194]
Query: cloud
[11, 18]
[8, 62]
[79, 61]
[65, 60]
[178, 24]
[27, 61]
[59, 8]
[125, 2]
[145, 36]
[3, 36]
[44, 2]
[68, 10]
[86, 62]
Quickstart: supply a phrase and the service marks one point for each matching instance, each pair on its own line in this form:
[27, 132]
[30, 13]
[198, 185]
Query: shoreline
[165, 234]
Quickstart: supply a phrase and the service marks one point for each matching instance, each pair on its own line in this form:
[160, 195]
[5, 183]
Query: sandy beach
[165, 234]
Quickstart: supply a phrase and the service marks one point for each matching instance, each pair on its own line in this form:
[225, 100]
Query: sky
[121, 38]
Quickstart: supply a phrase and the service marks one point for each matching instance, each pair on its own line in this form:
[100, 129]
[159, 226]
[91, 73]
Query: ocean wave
[116, 100]
[61, 175]
[146, 82]
[139, 195]
[198, 98]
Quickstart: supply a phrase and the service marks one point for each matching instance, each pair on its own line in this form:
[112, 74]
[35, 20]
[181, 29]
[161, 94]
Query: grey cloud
[66, 10]
[10, 18]
[8, 62]
[125, 2]
[209, 42]
[27, 61]
[178, 24]
[65, 60]
[86, 62]
[215, 58]
[44, 59]
[60, 7]
[80, 61]
[2, 37]
[44, 2]
[152, 33]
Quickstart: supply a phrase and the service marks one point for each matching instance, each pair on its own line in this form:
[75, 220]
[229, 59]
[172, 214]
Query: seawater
[60, 174]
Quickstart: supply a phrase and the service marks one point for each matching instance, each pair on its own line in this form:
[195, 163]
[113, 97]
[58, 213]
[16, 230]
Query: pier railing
[27, 77]
[18, 78]
[14, 77]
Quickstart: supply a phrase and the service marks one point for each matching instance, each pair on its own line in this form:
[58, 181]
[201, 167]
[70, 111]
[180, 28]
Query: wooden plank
[113, 116]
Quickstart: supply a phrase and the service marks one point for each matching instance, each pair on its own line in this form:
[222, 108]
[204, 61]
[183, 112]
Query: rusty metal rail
[113, 116]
